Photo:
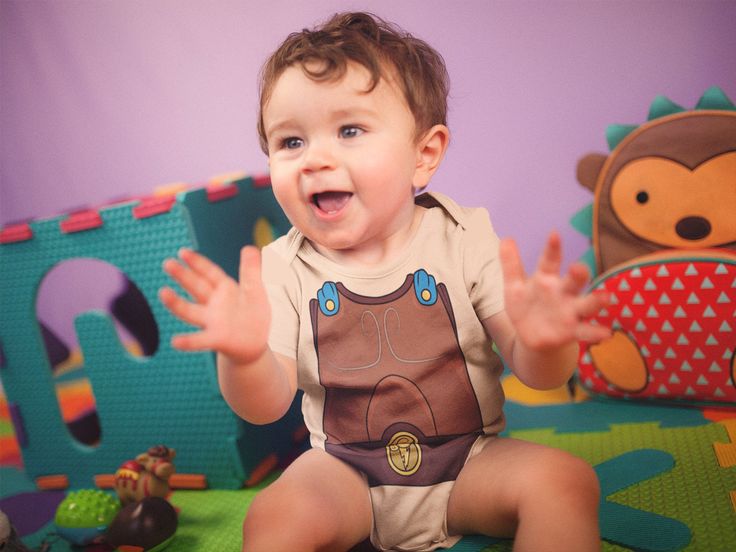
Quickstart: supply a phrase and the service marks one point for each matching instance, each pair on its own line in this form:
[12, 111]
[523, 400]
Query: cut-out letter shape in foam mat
[75, 286]
[631, 527]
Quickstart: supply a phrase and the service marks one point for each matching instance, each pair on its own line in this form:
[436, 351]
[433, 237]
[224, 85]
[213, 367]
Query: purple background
[103, 99]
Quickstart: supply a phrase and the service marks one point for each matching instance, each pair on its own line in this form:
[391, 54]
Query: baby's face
[343, 161]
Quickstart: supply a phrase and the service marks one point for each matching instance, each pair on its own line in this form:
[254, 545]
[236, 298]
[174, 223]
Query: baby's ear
[430, 152]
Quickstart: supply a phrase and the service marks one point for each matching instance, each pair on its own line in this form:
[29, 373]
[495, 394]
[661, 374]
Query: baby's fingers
[551, 258]
[201, 265]
[576, 279]
[250, 266]
[196, 286]
[511, 265]
[196, 341]
[589, 305]
[592, 333]
[190, 313]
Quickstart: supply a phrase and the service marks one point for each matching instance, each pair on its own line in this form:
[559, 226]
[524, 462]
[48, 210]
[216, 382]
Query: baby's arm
[261, 391]
[544, 317]
[234, 320]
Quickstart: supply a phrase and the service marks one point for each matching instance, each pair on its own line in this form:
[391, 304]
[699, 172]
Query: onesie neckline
[434, 204]
[309, 254]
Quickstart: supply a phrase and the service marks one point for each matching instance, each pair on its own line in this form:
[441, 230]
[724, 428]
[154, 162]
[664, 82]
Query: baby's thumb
[250, 266]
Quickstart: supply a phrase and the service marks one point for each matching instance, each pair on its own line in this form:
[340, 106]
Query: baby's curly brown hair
[382, 48]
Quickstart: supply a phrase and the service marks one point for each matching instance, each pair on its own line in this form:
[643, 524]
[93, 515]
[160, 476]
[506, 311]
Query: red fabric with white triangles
[682, 316]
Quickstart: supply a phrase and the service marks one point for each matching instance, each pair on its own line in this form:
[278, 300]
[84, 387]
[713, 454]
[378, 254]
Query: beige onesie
[399, 377]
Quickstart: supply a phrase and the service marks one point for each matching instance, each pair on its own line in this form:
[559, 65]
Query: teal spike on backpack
[663, 106]
[582, 221]
[715, 98]
[616, 133]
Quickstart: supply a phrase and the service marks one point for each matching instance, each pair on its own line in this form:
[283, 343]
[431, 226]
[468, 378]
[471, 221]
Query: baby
[382, 305]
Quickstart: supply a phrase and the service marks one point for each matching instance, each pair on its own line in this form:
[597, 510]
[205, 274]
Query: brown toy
[147, 475]
[667, 184]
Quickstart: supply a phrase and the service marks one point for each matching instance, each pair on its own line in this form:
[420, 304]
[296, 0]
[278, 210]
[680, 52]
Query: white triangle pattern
[689, 344]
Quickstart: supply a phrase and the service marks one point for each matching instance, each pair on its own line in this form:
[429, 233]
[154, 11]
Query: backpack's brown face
[666, 203]
[670, 184]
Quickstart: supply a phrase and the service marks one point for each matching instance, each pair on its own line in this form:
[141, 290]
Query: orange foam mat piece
[726, 452]
[177, 481]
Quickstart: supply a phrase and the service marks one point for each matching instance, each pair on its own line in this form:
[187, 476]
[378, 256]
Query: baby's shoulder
[467, 219]
[286, 247]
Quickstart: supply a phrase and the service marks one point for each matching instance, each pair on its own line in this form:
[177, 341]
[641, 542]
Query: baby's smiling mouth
[331, 202]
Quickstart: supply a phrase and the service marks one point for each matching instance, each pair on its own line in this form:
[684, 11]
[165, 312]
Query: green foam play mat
[668, 478]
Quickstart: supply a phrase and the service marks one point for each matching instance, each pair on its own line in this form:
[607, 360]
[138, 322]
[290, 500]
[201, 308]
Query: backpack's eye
[642, 197]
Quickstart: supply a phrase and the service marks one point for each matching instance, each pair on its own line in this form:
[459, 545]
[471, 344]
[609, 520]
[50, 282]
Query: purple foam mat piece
[29, 512]
[56, 349]
[133, 311]
[86, 427]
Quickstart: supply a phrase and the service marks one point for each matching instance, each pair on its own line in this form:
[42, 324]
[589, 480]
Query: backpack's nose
[693, 228]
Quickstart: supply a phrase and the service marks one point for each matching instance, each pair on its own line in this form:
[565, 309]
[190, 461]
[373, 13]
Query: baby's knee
[584, 480]
[265, 523]
[567, 477]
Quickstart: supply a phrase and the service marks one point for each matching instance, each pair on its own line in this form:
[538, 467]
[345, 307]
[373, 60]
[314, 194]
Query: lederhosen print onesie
[398, 375]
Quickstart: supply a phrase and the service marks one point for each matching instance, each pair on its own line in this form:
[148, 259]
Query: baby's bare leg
[545, 498]
[318, 503]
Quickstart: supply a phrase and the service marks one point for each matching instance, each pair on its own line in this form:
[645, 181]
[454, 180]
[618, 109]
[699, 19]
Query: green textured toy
[84, 515]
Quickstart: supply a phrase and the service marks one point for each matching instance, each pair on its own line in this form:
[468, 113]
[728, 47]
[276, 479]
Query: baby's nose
[318, 156]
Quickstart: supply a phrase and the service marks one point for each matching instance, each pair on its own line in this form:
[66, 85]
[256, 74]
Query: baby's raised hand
[548, 310]
[233, 318]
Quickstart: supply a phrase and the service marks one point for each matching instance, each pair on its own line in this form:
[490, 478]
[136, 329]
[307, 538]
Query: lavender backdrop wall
[102, 99]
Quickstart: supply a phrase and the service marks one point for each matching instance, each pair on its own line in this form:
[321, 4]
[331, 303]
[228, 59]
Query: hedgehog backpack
[663, 231]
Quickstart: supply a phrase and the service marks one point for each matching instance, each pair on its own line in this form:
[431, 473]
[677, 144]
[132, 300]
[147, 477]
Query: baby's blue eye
[350, 131]
[292, 143]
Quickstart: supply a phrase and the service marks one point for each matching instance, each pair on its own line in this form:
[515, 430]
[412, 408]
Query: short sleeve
[282, 288]
[482, 265]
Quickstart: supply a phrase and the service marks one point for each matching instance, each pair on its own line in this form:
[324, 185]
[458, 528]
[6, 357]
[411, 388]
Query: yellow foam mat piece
[516, 391]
